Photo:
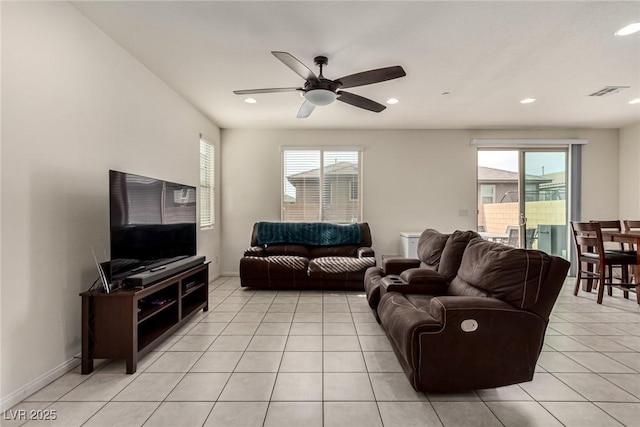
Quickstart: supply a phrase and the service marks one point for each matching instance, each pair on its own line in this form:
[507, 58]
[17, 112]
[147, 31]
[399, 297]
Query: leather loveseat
[287, 262]
[484, 329]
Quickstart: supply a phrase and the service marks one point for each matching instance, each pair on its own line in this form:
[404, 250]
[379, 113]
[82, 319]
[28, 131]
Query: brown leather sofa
[439, 257]
[287, 265]
[484, 329]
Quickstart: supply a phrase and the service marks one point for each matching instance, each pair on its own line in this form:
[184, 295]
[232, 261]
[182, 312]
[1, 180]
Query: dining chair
[611, 225]
[633, 225]
[593, 260]
[615, 225]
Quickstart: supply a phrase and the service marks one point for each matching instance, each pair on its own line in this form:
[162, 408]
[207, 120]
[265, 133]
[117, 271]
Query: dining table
[631, 237]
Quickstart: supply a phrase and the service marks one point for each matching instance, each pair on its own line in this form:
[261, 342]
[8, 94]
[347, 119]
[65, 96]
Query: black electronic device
[156, 274]
[152, 223]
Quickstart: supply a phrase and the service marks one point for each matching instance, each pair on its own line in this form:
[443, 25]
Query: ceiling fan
[319, 90]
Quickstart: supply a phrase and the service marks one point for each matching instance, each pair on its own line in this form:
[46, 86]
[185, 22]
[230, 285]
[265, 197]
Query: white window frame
[207, 184]
[321, 150]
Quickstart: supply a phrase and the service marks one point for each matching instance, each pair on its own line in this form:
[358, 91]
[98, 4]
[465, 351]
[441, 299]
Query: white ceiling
[486, 55]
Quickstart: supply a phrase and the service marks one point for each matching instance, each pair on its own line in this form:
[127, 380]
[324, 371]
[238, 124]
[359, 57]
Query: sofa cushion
[271, 270]
[333, 251]
[286, 249]
[460, 288]
[510, 274]
[453, 251]
[430, 246]
[340, 268]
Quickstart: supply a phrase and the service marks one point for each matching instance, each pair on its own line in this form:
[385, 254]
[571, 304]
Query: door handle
[523, 220]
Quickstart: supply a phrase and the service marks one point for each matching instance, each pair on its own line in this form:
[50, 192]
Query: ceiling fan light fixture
[635, 101]
[527, 100]
[629, 29]
[392, 101]
[250, 100]
[320, 96]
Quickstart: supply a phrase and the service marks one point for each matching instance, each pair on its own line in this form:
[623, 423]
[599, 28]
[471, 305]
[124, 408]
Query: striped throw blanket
[308, 233]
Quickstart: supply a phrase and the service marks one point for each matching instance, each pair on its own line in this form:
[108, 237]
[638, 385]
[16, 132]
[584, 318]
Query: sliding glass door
[522, 198]
[544, 211]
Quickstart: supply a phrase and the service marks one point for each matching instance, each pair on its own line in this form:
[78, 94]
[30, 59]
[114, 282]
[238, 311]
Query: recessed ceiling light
[635, 101]
[392, 101]
[629, 29]
[250, 100]
[527, 100]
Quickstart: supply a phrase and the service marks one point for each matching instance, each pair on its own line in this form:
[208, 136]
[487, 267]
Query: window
[354, 191]
[487, 194]
[207, 176]
[321, 185]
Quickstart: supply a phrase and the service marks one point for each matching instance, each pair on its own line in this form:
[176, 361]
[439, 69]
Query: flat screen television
[152, 223]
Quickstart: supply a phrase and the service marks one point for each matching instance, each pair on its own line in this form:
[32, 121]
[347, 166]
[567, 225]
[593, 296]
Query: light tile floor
[311, 358]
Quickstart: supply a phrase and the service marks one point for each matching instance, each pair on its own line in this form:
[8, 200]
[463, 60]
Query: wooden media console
[130, 322]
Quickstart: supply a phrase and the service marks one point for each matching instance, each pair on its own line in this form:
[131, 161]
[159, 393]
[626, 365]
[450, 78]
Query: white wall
[74, 105]
[412, 179]
[629, 172]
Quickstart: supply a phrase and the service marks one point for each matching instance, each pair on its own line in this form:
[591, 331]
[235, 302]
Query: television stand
[130, 322]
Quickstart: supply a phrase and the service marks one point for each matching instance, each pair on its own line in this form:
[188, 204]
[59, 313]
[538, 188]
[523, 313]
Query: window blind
[207, 175]
[321, 185]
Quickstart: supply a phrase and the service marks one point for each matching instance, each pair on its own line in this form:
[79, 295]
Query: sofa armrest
[452, 308]
[366, 252]
[393, 283]
[422, 276]
[397, 265]
[254, 251]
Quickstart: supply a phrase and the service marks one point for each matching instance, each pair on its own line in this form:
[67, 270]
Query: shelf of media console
[149, 311]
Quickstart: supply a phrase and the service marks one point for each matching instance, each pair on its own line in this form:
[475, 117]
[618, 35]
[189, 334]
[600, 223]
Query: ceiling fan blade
[269, 90]
[360, 101]
[298, 67]
[305, 110]
[372, 76]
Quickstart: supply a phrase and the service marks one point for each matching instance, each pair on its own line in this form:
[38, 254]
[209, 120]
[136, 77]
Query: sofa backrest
[430, 246]
[520, 277]
[453, 251]
[443, 252]
[315, 251]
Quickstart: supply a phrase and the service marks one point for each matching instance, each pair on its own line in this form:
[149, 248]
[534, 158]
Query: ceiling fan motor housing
[320, 96]
[320, 92]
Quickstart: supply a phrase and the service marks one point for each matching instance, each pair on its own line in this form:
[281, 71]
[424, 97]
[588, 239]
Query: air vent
[608, 90]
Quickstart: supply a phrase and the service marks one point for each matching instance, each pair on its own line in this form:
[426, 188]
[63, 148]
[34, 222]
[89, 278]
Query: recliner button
[469, 325]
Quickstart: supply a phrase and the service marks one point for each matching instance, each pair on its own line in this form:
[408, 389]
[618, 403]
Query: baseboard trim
[43, 380]
[230, 273]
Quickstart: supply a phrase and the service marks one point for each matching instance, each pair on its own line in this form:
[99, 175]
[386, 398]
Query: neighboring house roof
[557, 179]
[486, 174]
[339, 168]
